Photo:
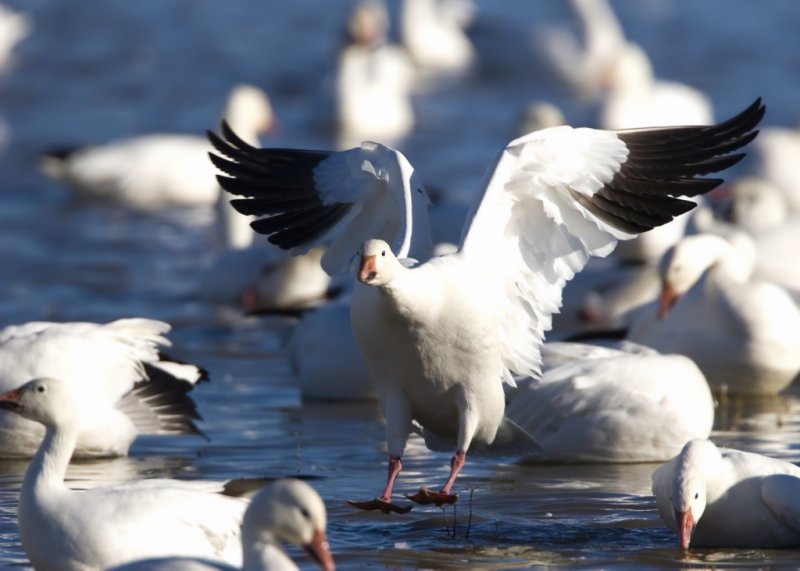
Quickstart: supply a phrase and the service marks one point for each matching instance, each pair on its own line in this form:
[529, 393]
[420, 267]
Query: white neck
[49, 465]
[261, 552]
[735, 260]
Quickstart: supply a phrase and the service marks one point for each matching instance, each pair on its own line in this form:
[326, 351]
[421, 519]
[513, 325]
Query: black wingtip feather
[277, 185]
[670, 162]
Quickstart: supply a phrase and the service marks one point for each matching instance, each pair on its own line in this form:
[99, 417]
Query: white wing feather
[378, 181]
[532, 235]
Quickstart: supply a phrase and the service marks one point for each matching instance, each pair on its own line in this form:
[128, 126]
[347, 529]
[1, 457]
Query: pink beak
[367, 271]
[13, 399]
[685, 527]
[319, 550]
[669, 297]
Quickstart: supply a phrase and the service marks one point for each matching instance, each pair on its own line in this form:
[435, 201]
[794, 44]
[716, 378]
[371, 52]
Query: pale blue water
[93, 70]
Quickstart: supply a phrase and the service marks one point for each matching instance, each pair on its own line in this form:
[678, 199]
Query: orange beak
[685, 527]
[367, 270]
[669, 297]
[11, 400]
[319, 550]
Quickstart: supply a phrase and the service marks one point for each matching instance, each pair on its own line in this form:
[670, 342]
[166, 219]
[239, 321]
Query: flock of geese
[448, 337]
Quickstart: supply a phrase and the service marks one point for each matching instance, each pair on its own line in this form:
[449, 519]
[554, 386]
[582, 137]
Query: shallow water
[93, 71]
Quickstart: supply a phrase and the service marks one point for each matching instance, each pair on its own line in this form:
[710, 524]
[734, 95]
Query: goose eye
[304, 512]
[383, 252]
[696, 495]
[40, 389]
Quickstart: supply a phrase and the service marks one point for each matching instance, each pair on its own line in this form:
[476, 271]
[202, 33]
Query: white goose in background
[14, 27]
[123, 386]
[287, 511]
[374, 80]
[582, 63]
[625, 403]
[636, 98]
[775, 159]
[441, 338]
[712, 497]
[744, 334]
[150, 171]
[66, 530]
[760, 208]
[432, 31]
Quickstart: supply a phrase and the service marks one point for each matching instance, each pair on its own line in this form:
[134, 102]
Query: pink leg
[384, 503]
[395, 465]
[456, 463]
[426, 496]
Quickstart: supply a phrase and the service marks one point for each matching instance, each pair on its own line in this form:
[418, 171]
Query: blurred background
[88, 72]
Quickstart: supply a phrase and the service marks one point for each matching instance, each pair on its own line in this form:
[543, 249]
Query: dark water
[92, 71]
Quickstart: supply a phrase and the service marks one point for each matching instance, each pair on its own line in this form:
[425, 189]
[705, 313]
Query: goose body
[613, 404]
[149, 171]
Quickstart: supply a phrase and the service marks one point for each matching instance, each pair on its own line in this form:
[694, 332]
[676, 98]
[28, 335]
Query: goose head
[43, 400]
[291, 511]
[249, 112]
[686, 262]
[688, 494]
[377, 264]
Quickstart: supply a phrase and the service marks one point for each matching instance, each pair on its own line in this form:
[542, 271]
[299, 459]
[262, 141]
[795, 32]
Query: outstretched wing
[560, 195]
[307, 198]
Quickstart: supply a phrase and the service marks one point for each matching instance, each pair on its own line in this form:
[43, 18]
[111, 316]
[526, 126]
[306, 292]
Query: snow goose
[760, 208]
[373, 82]
[612, 404]
[775, 159]
[67, 530]
[124, 387]
[432, 31]
[14, 26]
[440, 338]
[287, 511]
[150, 171]
[581, 64]
[262, 277]
[744, 334]
[728, 498]
[637, 99]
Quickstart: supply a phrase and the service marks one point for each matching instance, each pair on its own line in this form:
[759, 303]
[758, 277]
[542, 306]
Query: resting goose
[442, 337]
[625, 403]
[149, 171]
[743, 333]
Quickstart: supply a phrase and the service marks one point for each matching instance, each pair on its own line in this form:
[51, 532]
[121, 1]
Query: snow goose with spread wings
[441, 338]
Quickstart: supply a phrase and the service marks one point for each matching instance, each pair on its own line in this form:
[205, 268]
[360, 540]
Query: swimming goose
[124, 386]
[441, 338]
[150, 171]
[712, 497]
[75, 530]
